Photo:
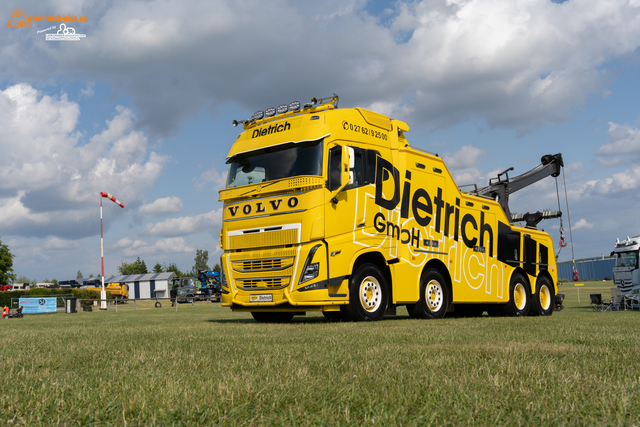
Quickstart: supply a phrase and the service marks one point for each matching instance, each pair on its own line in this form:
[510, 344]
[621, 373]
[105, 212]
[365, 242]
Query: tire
[332, 316]
[272, 317]
[519, 296]
[434, 297]
[368, 294]
[542, 303]
[158, 304]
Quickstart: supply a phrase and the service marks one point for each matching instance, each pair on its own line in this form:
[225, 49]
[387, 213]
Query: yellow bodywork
[412, 217]
[118, 290]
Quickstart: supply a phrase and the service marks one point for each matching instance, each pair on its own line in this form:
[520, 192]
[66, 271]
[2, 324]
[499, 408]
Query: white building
[154, 285]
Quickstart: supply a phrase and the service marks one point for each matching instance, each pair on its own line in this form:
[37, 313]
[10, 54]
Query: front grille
[263, 264]
[264, 239]
[267, 283]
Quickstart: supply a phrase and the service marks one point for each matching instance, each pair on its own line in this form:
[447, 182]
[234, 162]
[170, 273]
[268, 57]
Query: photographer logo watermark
[65, 34]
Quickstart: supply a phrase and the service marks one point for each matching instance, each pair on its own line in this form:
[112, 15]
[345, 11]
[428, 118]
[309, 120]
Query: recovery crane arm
[500, 188]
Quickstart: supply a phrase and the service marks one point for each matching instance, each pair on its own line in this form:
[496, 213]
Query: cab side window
[335, 160]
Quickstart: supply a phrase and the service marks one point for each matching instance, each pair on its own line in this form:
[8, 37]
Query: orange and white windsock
[113, 199]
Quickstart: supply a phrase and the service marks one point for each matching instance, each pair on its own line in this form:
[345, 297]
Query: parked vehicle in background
[119, 291]
[626, 274]
[183, 289]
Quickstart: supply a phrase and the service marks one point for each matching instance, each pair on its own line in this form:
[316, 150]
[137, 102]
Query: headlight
[223, 278]
[310, 270]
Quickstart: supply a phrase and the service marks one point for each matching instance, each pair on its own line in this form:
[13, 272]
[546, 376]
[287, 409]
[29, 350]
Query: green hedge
[5, 297]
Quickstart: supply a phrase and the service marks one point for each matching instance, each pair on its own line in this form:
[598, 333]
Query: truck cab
[626, 274]
[183, 289]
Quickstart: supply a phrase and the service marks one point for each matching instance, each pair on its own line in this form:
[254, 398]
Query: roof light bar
[284, 108]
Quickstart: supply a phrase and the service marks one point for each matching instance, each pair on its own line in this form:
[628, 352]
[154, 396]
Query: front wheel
[434, 297]
[542, 304]
[519, 296]
[368, 294]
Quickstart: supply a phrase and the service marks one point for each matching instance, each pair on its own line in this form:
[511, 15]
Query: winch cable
[562, 242]
[566, 196]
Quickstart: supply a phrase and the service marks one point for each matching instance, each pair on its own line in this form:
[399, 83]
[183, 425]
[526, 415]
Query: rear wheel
[272, 317]
[434, 296]
[542, 304]
[368, 294]
[519, 296]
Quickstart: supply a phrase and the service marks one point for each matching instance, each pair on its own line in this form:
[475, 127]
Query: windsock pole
[103, 294]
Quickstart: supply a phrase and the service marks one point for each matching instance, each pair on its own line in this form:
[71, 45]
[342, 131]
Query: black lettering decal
[379, 222]
[233, 210]
[383, 171]
[439, 205]
[415, 237]
[256, 133]
[280, 127]
[404, 209]
[404, 241]
[287, 126]
[486, 228]
[293, 202]
[275, 204]
[419, 207]
[393, 229]
[246, 209]
[259, 207]
[448, 210]
[457, 221]
[468, 218]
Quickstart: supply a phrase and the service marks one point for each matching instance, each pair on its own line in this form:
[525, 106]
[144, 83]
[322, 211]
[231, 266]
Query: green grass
[204, 364]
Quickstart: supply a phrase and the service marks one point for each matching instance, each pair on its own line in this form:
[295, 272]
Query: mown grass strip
[206, 365]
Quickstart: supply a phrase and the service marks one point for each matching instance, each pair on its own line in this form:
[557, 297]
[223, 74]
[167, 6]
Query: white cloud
[516, 64]
[50, 179]
[180, 226]
[56, 243]
[211, 175]
[619, 184]
[467, 157]
[582, 223]
[163, 206]
[623, 147]
[172, 245]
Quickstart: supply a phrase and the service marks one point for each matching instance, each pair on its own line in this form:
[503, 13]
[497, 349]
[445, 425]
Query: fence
[595, 269]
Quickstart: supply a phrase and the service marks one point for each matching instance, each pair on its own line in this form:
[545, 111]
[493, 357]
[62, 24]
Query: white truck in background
[626, 274]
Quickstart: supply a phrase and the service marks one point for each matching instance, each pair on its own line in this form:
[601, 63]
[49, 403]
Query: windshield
[272, 163]
[627, 259]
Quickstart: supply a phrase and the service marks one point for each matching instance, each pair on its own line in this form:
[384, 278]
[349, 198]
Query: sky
[141, 106]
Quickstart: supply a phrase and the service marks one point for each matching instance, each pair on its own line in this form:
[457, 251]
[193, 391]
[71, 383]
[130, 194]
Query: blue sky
[142, 108]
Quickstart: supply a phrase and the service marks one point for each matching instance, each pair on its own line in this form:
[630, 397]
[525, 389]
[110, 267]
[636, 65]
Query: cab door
[342, 216]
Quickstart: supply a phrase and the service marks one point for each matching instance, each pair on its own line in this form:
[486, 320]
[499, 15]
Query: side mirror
[346, 173]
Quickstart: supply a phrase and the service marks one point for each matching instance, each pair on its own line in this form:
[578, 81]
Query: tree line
[140, 267]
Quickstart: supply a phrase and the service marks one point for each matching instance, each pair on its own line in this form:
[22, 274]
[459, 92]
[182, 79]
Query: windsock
[113, 199]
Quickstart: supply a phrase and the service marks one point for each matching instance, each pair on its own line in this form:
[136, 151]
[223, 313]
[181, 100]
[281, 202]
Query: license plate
[261, 298]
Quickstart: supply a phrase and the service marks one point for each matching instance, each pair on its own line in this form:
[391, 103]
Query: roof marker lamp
[258, 115]
[294, 106]
[270, 112]
[282, 109]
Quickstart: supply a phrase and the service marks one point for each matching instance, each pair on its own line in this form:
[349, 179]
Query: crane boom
[501, 187]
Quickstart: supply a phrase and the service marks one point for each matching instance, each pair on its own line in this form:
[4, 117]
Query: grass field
[206, 365]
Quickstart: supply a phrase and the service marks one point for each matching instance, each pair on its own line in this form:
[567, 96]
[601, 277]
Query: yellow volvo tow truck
[330, 210]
